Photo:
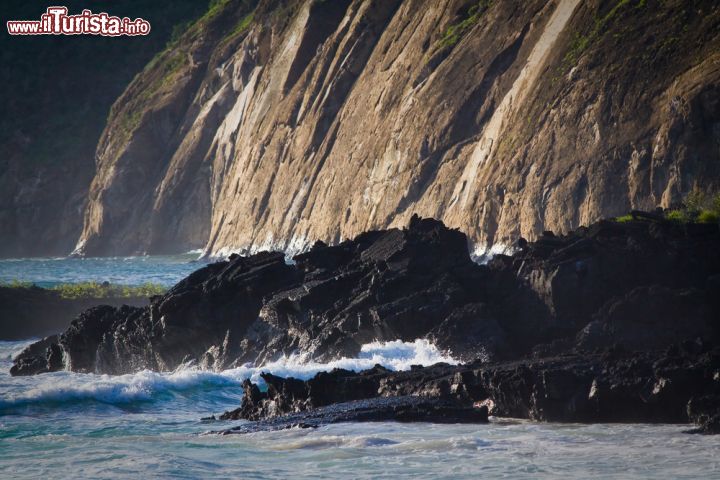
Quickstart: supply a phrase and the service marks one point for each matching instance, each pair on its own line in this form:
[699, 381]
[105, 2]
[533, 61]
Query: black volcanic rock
[40, 357]
[617, 322]
[610, 272]
[650, 318]
[383, 285]
[637, 286]
[676, 386]
[379, 409]
[705, 412]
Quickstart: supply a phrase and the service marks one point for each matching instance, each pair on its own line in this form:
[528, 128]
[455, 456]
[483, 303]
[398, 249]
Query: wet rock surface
[380, 409]
[639, 286]
[614, 322]
[680, 385]
[384, 285]
[705, 412]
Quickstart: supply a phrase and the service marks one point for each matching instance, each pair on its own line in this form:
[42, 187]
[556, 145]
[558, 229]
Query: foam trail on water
[69, 387]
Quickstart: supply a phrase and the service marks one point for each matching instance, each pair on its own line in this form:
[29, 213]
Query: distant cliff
[55, 95]
[272, 124]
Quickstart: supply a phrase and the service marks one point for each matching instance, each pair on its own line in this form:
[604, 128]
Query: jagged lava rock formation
[275, 123]
[384, 285]
[679, 385]
[408, 408]
[641, 285]
[614, 322]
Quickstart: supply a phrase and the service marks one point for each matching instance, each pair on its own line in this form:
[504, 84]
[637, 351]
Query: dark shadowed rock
[383, 285]
[471, 332]
[32, 312]
[610, 387]
[379, 409]
[639, 285]
[704, 411]
[572, 327]
[650, 318]
[40, 357]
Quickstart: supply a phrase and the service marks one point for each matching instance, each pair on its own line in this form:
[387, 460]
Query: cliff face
[55, 94]
[272, 124]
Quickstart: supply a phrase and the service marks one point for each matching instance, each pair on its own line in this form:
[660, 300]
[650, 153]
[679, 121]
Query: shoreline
[612, 322]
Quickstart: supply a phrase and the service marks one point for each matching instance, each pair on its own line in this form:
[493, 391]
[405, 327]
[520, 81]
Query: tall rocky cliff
[275, 123]
[55, 94]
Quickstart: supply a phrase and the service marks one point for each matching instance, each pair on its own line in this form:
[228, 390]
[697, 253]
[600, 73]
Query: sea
[149, 425]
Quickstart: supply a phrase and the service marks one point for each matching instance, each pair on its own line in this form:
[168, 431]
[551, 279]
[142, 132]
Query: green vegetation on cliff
[698, 207]
[455, 32]
[581, 42]
[168, 65]
[242, 26]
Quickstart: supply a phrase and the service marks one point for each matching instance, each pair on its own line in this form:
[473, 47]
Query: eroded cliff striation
[272, 124]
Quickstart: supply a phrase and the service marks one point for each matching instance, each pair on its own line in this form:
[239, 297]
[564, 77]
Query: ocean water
[47, 272]
[148, 424]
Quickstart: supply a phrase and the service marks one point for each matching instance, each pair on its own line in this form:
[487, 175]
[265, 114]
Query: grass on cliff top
[698, 207]
[95, 290]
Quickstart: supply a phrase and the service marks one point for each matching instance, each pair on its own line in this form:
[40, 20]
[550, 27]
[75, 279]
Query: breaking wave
[59, 388]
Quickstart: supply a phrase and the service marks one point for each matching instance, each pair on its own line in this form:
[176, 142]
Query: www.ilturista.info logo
[57, 22]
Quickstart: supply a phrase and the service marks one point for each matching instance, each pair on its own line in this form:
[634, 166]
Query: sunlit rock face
[273, 124]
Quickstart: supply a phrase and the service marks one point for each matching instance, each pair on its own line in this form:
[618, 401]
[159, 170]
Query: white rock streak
[485, 148]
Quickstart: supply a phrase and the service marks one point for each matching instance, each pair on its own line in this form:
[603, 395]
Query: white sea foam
[395, 355]
[482, 253]
[64, 387]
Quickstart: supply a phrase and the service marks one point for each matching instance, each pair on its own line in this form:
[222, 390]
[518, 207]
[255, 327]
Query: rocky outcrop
[617, 322]
[275, 123]
[383, 285]
[378, 409]
[649, 318]
[40, 357]
[32, 312]
[676, 386]
[705, 412]
[640, 285]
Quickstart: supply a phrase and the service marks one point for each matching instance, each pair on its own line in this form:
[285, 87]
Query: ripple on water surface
[161, 269]
[69, 425]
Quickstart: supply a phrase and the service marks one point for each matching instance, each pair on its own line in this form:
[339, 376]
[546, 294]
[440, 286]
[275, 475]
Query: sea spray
[162, 438]
[60, 388]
